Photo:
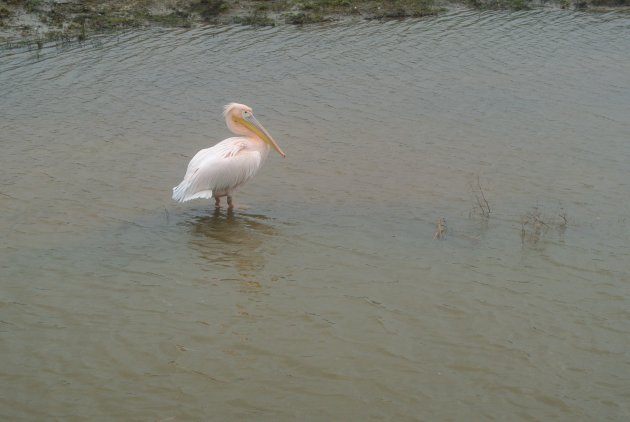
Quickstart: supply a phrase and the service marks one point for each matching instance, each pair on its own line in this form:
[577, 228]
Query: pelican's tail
[181, 192]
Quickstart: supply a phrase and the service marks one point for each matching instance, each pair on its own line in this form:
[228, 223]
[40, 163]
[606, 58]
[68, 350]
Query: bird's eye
[247, 114]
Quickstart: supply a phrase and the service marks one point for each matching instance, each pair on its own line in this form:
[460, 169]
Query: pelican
[220, 170]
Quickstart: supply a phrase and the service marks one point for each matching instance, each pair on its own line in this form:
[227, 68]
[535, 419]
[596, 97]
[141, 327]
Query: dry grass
[535, 224]
[441, 229]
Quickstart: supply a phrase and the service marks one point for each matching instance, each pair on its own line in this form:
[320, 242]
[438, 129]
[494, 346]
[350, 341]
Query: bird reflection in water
[225, 239]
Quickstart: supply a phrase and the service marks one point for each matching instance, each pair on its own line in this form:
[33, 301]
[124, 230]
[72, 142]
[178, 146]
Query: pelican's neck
[262, 146]
[253, 143]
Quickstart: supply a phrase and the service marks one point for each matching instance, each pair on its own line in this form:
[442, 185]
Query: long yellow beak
[254, 125]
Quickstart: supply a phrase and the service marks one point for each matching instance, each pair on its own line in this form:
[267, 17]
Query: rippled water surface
[324, 296]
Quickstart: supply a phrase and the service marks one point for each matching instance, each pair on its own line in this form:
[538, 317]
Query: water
[324, 296]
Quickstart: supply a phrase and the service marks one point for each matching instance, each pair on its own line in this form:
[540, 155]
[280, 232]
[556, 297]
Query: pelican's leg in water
[217, 202]
[230, 203]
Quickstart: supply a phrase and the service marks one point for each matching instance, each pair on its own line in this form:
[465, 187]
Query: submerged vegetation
[49, 20]
[535, 224]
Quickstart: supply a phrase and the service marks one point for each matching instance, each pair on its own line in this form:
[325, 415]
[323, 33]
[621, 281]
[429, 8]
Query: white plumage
[220, 170]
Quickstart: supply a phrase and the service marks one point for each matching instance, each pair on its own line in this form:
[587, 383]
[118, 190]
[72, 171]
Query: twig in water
[482, 204]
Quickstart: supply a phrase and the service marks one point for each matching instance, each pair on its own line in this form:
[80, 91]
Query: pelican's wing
[220, 168]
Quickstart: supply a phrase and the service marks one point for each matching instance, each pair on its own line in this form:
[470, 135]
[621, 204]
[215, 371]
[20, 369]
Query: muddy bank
[39, 21]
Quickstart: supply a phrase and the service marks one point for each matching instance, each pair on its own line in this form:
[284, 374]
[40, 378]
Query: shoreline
[36, 22]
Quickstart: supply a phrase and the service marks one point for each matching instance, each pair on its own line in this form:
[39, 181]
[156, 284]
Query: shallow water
[324, 296]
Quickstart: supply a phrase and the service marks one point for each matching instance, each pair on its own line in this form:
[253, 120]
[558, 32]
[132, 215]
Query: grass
[535, 225]
[313, 11]
[256, 18]
[440, 229]
[177, 18]
[79, 18]
[259, 16]
[499, 4]
[208, 10]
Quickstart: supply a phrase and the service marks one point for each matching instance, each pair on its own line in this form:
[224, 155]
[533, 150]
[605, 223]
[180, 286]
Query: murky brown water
[327, 298]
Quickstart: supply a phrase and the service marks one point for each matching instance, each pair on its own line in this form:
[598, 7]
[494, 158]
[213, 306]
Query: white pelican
[218, 171]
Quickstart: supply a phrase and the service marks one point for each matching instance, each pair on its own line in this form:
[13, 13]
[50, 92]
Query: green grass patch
[303, 18]
[176, 18]
[256, 18]
[209, 9]
[499, 4]
[5, 13]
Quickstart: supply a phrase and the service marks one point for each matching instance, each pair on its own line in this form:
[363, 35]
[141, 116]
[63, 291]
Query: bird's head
[240, 120]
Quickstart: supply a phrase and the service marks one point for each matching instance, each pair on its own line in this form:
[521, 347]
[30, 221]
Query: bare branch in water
[482, 206]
